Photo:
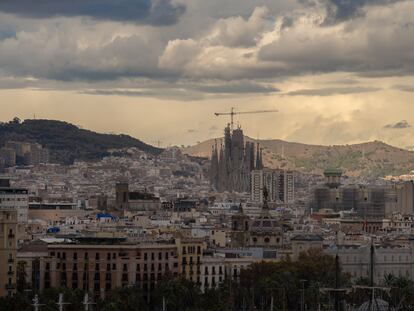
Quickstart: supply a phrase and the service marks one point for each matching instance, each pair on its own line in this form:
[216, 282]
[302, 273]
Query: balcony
[10, 260]
[10, 286]
[11, 236]
[10, 272]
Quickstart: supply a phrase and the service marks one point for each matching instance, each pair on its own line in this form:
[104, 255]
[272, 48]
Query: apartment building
[8, 251]
[99, 264]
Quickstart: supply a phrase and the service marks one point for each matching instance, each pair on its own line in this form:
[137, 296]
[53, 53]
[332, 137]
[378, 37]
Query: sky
[337, 71]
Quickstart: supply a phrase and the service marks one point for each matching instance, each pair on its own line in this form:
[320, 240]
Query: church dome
[265, 224]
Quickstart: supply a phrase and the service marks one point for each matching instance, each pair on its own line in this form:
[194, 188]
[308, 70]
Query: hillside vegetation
[371, 159]
[68, 142]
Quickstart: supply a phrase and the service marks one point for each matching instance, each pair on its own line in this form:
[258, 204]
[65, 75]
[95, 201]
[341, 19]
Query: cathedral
[232, 163]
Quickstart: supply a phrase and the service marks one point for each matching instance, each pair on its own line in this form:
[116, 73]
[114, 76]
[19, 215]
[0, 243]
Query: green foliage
[67, 142]
[124, 299]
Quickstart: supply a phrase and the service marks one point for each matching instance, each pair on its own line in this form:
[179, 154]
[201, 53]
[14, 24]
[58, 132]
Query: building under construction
[233, 162]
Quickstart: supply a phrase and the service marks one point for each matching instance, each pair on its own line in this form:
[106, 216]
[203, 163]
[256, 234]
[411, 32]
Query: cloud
[405, 88]
[403, 124]
[337, 11]
[216, 49]
[185, 91]
[237, 31]
[353, 46]
[242, 87]
[342, 10]
[332, 91]
[154, 12]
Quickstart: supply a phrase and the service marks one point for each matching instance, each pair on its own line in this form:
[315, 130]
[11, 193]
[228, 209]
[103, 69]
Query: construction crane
[232, 113]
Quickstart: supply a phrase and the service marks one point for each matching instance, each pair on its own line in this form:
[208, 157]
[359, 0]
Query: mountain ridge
[371, 159]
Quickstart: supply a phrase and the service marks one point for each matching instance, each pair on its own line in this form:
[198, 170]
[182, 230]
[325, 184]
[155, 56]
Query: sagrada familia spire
[232, 163]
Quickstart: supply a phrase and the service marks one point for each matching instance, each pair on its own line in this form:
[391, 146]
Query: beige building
[8, 251]
[99, 264]
[395, 260]
[190, 255]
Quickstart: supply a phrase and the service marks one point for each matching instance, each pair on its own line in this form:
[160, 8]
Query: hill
[68, 142]
[371, 159]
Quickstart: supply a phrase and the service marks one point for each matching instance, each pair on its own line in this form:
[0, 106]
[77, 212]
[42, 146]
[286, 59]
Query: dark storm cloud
[237, 88]
[342, 10]
[332, 91]
[403, 124]
[155, 12]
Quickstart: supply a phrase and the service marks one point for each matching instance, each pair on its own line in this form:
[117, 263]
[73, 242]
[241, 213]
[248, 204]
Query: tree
[178, 293]
[124, 299]
[21, 276]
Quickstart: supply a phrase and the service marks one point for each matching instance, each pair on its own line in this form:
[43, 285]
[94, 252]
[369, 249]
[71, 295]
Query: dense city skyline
[338, 72]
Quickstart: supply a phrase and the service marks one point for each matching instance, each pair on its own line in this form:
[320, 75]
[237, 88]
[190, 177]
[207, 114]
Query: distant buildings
[23, 153]
[134, 200]
[367, 201]
[280, 185]
[232, 163]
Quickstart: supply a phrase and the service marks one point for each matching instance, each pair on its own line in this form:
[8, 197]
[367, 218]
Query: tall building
[280, 185]
[232, 163]
[121, 196]
[14, 198]
[405, 197]
[9, 156]
[8, 251]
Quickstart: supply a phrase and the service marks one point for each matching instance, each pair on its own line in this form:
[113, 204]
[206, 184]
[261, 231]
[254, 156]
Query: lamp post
[302, 300]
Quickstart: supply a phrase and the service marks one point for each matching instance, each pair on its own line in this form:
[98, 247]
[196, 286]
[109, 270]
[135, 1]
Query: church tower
[240, 226]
